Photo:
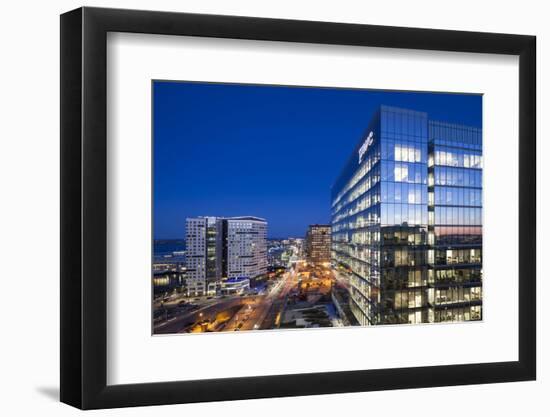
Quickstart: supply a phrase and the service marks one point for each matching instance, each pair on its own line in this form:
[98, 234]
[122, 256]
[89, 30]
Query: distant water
[167, 246]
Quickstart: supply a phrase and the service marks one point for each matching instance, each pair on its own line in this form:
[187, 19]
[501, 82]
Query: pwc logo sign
[365, 146]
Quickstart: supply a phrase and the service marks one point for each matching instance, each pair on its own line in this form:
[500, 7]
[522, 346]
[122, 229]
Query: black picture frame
[84, 207]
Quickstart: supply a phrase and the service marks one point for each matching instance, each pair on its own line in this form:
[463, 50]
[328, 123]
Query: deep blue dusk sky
[272, 152]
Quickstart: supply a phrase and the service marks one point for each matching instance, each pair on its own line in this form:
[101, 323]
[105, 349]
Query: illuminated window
[431, 199]
[407, 153]
[411, 154]
[401, 172]
[401, 153]
[412, 196]
[431, 259]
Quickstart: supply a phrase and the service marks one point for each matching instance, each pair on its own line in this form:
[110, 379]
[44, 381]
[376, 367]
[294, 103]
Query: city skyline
[402, 245]
[201, 164]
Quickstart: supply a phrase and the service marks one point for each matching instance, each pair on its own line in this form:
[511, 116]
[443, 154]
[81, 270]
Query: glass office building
[455, 221]
[384, 228]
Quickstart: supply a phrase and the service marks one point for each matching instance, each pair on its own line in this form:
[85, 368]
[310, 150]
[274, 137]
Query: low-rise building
[237, 285]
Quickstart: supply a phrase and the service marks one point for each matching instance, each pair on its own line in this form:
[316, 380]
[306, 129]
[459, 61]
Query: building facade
[455, 220]
[196, 254]
[235, 285]
[246, 247]
[221, 248]
[318, 244]
[385, 224]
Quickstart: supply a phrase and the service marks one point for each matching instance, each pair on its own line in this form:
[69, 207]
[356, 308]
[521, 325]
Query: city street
[258, 311]
[241, 312]
[207, 311]
[251, 310]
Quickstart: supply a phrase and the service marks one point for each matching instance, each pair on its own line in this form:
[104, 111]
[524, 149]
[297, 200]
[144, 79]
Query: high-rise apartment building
[318, 244]
[220, 248]
[196, 254]
[246, 247]
[407, 224]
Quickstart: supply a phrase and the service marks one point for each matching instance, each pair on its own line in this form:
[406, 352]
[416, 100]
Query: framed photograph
[257, 208]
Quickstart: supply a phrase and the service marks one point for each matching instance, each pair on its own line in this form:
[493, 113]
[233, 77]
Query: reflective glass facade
[455, 226]
[387, 220]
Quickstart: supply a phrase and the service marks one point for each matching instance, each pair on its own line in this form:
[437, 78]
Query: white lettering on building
[365, 146]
